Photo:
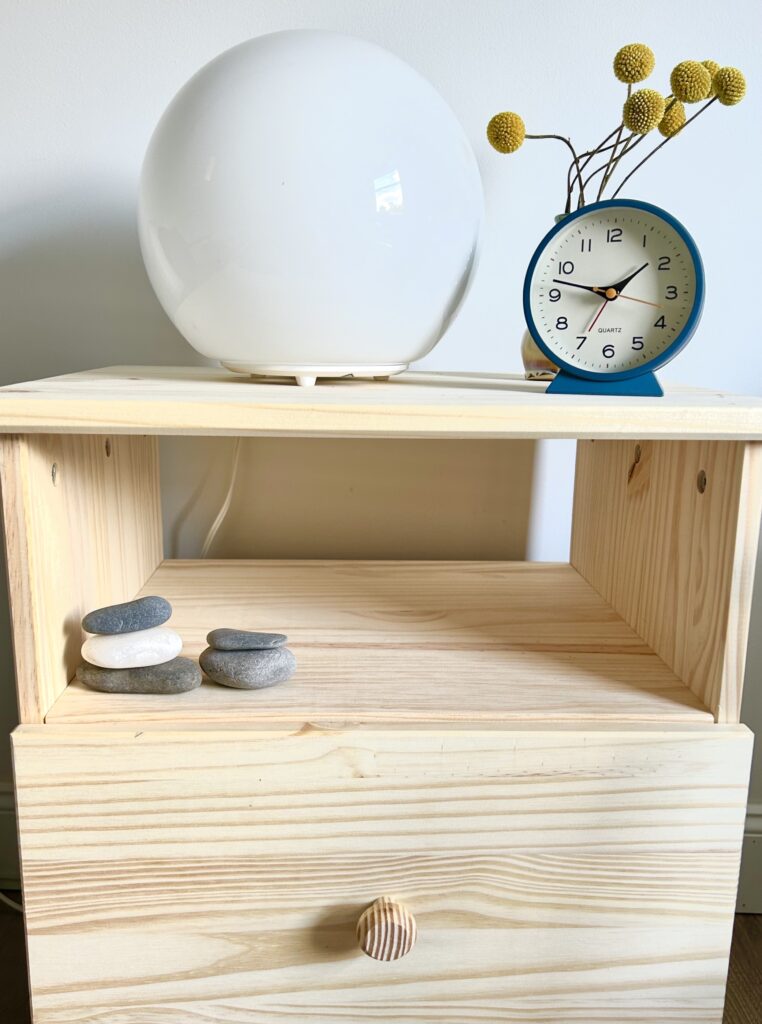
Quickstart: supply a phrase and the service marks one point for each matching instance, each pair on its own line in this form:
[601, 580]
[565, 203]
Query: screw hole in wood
[54, 472]
[701, 481]
[108, 447]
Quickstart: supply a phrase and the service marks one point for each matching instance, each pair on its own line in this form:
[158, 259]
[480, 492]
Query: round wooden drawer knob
[386, 930]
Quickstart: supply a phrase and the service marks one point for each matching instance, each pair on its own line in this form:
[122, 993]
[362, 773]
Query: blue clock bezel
[675, 346]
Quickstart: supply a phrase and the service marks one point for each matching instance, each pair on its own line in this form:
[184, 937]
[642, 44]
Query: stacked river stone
[132, 651]
[247, 660]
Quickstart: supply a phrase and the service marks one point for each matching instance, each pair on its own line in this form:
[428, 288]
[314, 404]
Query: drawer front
[217, 877]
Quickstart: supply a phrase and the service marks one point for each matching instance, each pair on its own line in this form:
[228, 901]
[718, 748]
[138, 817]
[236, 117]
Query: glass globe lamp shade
[310, 206]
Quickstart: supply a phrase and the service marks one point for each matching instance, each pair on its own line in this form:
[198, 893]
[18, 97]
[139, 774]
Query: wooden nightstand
[536, 767]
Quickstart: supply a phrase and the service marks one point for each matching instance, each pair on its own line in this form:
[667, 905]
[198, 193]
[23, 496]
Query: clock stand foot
[645, 385]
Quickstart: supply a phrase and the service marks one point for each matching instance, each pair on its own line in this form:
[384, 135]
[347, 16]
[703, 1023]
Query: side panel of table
[82, 520]
[568, 875]
[667, 533]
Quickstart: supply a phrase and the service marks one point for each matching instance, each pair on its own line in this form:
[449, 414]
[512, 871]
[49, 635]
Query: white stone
[133, 650]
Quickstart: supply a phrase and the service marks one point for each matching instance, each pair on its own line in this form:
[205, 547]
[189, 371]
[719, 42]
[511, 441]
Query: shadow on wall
[351, 498]
[74, 295]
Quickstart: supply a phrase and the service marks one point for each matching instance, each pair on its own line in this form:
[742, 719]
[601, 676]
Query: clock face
[614, 289]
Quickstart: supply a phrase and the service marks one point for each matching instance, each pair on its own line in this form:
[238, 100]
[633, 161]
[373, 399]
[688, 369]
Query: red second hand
[592, 325]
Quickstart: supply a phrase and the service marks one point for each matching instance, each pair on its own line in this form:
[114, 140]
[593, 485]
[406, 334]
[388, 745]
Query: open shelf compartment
[406, 641]
[648, 621]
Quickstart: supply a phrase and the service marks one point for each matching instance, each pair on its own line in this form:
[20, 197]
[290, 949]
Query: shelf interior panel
[405, 641]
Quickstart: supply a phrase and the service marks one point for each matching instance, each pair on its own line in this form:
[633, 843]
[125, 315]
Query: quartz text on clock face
[613, 291]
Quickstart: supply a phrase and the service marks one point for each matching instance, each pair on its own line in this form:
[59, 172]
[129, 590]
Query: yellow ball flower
[729, 86]
[506, 132]
[712, 67]
[690, 82]
[643, 111]
[634, 62]
[673, 120]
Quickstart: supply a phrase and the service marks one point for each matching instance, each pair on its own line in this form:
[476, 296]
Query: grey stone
[143, 613]
[244, 640]
[248, 670]
[176, 676]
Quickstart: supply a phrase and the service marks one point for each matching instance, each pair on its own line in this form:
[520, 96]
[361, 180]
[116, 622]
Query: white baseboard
[9, 855]
[749, 888]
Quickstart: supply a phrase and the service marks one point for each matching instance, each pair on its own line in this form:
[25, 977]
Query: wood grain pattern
[673, 556]
[216, 878]
[203, 400]
[386, 931]
[406, 641]
[83, 529]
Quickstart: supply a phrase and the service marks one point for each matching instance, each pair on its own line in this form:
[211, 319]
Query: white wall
[84, 83]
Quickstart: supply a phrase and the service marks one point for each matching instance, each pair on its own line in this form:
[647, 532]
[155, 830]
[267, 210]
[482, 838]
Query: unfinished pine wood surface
[406, 641]
[555, 875]
[204, 400]
[82, 529]
[667, 533]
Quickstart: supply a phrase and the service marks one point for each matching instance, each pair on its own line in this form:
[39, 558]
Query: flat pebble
[142, 613]
[133, 650]
[176, 676]
[244, 640]
[248, 670]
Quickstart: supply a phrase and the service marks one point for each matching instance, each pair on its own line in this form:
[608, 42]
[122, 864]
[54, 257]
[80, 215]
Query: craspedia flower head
[690, 81]
[634, 62]
[643, 111]
[673, 120]
[729, 86]
[506, 132]
[712, 67]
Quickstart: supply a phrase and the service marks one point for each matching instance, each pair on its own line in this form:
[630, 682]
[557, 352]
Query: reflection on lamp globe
[310, 206]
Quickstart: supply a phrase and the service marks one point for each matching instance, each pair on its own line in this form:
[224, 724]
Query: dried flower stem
[664, 143]
[611, 163]
[575, 158]
[629, 144]
[588, 155]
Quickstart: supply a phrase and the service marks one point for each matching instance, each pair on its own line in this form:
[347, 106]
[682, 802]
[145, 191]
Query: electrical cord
[225, 507]
[11, 903]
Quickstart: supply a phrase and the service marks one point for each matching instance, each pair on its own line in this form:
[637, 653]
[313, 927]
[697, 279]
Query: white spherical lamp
[310, 206]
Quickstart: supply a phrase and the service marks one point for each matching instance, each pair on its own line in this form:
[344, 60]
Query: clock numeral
[637, 344]
[587, 245]
[671, 292]
[664, 262]
[614, 235]
[660, 323]
[565, 267]
[608, 351]
[562, 323]
[644, 241]
[554, 294]
[581, 338]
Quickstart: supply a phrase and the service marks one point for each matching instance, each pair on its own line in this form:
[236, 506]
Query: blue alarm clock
[613, 291]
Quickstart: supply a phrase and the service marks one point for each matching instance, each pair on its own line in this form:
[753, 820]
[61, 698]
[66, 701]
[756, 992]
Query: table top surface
[207, 401]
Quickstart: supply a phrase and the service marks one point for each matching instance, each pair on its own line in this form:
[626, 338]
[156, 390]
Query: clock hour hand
[620, 285]
[571, 284]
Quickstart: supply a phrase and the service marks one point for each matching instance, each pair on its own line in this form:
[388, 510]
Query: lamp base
[307, 376]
